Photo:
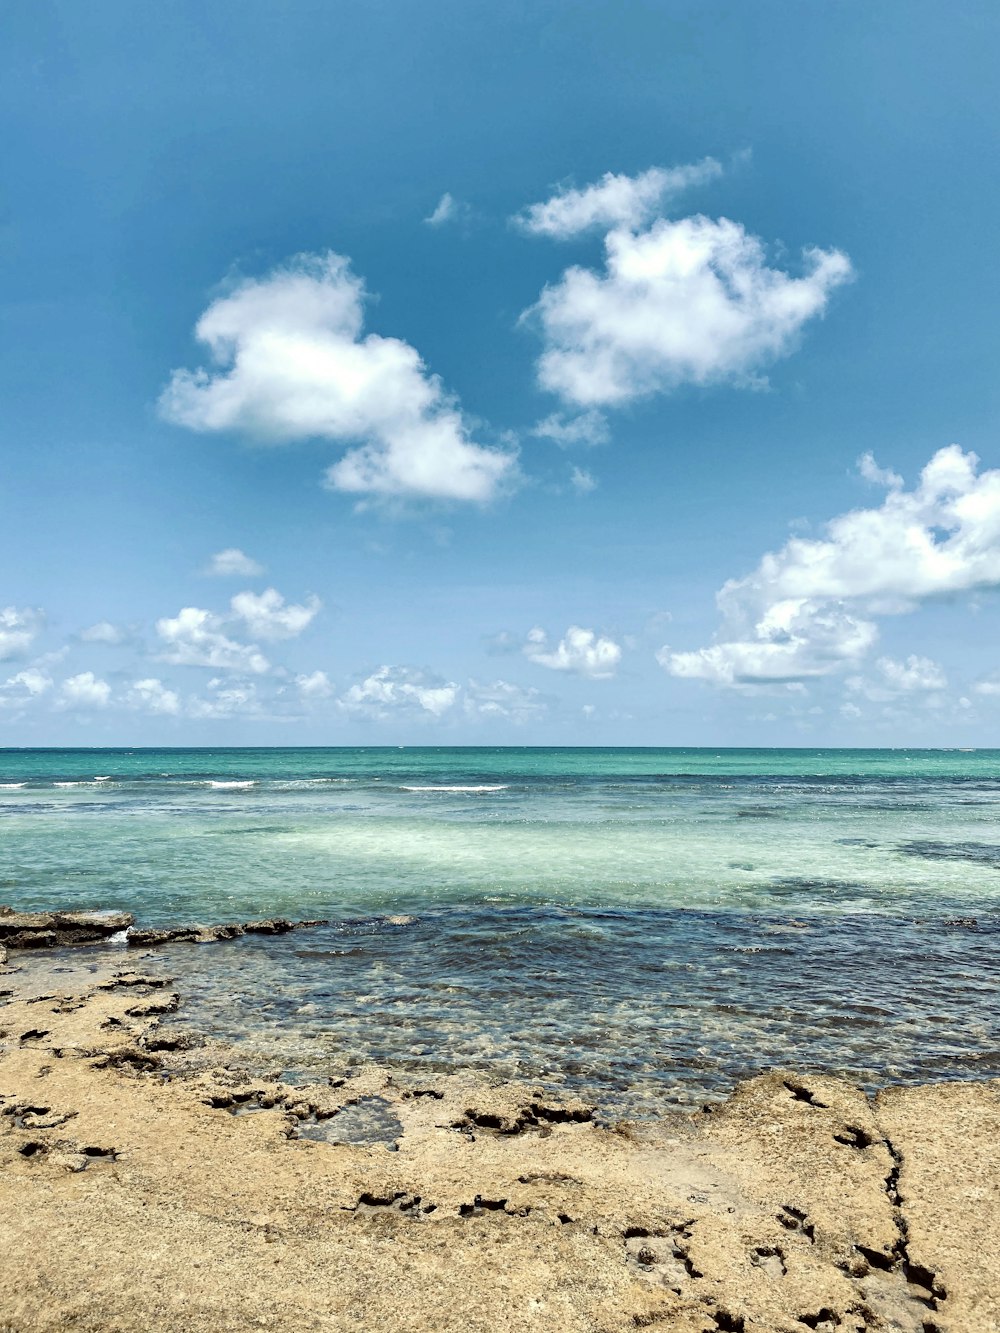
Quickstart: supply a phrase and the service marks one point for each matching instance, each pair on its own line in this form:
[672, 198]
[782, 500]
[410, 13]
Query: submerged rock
[195, 934]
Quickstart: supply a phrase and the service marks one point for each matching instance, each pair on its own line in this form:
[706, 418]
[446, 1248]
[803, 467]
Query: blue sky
[495, 341]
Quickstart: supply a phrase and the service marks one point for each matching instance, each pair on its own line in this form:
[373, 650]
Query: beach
[151, 1181]
[499, 1040]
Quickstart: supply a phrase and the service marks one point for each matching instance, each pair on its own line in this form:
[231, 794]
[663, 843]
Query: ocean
[643, 926]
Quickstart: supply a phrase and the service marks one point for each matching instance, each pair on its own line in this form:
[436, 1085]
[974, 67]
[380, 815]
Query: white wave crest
[231, 786]
[477, 787]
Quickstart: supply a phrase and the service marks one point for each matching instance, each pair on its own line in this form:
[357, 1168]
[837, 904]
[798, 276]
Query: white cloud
[227, 700]
[579, 650]
[615, 201]
[102, 632]
[19, 628]
[810, 608]
[232, 561]
[293, 365]
[587, 428]
[32, 681]
[316, 685]
[916, 673]
[582, 481]
[85, 690]
[266, 615]
[502, 699]
[448, 209]
[686, 302]
[392, 689]
[792, 641]
[878, 476]
[194, 637]
[152, 696]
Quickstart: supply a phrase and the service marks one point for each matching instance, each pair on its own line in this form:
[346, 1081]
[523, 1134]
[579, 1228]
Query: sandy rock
[149, 1188]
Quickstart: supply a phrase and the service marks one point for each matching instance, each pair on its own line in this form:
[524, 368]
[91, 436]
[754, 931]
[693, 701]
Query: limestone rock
[45, 930]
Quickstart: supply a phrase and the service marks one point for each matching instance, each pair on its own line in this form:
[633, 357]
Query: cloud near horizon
[810, 609]
[685, 301]
[19, 627]
[394, 691]
[290, 363]
[580, 650]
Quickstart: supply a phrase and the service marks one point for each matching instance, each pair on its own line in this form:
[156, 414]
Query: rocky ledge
[148, 1183]
[48, 930]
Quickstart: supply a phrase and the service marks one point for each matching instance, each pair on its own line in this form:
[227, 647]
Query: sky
[527, 374]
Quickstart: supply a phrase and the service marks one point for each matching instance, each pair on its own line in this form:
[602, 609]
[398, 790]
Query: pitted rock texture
[148, 1184]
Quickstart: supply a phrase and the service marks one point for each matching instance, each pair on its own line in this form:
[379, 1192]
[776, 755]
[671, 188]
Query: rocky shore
[51, 930]
[149, 1181]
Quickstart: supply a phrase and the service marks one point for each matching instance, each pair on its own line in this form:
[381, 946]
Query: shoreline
[149, 1183]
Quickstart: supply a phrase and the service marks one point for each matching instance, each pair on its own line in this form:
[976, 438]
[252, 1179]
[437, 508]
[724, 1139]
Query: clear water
[644, 924]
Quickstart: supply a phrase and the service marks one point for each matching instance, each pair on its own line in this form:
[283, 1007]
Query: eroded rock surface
[41, 930]
[150, 1184]
[38, 930]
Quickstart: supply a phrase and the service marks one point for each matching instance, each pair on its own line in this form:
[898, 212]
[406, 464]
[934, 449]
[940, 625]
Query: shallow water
[647, 925]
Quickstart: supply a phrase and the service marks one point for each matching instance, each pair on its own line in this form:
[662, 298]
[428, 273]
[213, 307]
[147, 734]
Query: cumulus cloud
[391, 689]
[679, 301]
[19, 627]
[291, 363]
[227, 700]
[195, 637]
[686, 302]
[811, 608]
[579, 650]
[85, 691]
[267, 616]
[394, 691]
[892, 680]
[31, 681]
[916, 673]
[615, 201]
[315, 685]
[792, 641]
[102, 632]
[503, 699]
[586, 428]
[233, 562]
[152, 696]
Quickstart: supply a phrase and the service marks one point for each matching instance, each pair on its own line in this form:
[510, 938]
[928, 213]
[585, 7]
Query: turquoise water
[646, 923]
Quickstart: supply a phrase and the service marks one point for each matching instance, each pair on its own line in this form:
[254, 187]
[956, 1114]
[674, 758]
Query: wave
[11, 786]
[456, 787]
[231, 786]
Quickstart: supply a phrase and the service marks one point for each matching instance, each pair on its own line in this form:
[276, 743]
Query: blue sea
[644, 926]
